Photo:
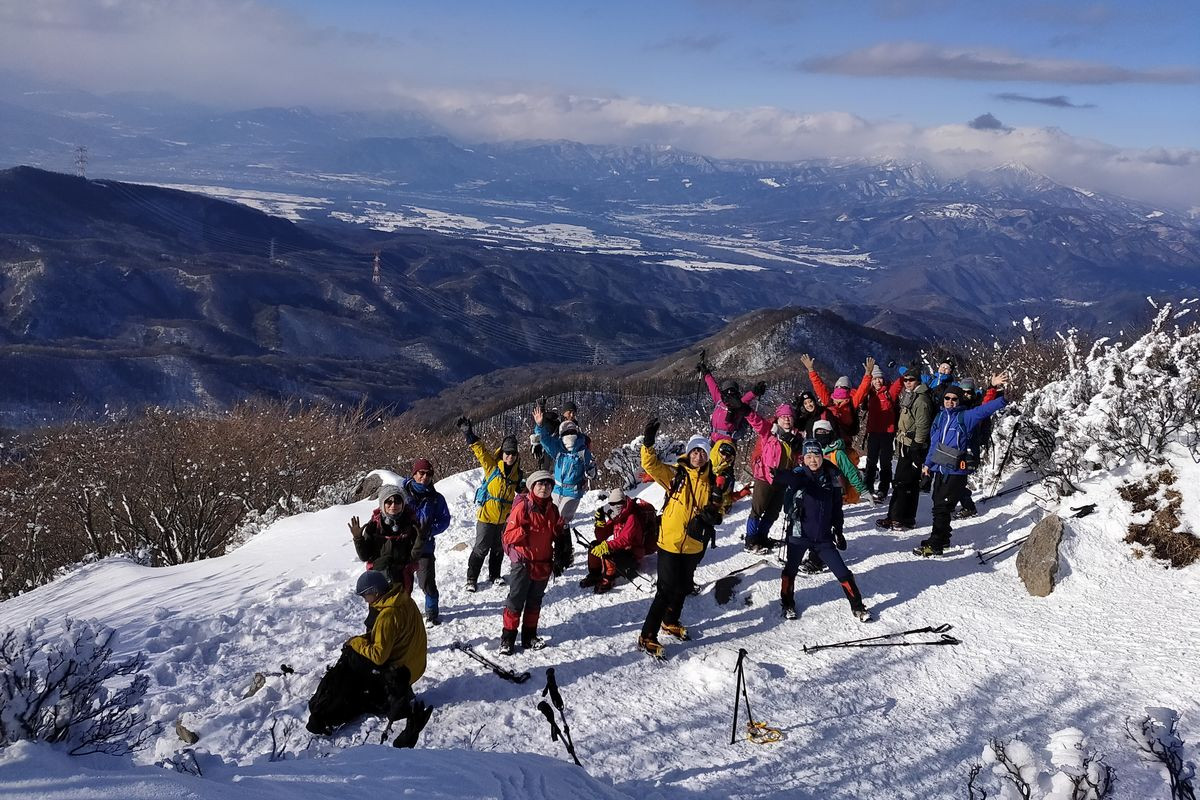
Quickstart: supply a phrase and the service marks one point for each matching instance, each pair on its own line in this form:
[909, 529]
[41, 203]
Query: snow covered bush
[70, 691]
[1075, 773]
[1156, 738]
[1117, 401]
[625, 462]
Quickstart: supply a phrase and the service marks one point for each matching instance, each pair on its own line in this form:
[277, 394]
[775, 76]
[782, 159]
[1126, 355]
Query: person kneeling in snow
[376, 671]
[813, 503]
[620, 540]
[538, 544]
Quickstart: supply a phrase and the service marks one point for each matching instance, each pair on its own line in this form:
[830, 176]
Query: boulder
[367, 488]
[1037, 562]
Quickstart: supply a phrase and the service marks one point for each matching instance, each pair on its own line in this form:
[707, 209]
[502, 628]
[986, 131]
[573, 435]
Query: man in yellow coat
[690, 512]
[376, 671]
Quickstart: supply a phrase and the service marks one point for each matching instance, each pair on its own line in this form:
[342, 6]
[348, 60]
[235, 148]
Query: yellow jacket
[398, 636]
[691, 497]
[501, 488]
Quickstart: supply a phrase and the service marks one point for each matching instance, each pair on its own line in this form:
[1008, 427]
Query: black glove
[650, 432]
[468, 429]
[563, 552]
[703, 368]
[839, 540]
[601, 517]
[759, 388]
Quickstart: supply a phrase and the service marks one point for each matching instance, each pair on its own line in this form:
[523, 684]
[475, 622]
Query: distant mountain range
[496, 254]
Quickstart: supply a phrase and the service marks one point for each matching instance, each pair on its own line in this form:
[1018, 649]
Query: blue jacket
[433, 515]
[812, 503]
[954, 428]
[571, 468]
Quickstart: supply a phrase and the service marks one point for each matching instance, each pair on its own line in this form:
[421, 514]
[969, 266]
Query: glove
[839, 540]
[601, 517]
[650, 432]
[702, 367]
[600, 550]
[759, 388]
[463, 424]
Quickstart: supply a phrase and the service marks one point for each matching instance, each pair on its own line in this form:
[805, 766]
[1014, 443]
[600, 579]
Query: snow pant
[879, 459]
[355, 686]
[487, 545]
[407, 575]
[946, 491]
[427, 580]
[617, 564]
[524, 603]
[766, 501]
[675, 574]
[566, 507]
[827, 552]
[906, 487]
[966, 501]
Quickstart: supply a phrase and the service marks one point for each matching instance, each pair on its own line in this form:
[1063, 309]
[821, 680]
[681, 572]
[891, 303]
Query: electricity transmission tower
[81, 160]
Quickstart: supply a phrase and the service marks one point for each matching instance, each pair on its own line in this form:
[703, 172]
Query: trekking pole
[757, 732]
[1012, 437]
[927, 629]
[556, 699]
[999, 550]
[630, 574]
[945, 638]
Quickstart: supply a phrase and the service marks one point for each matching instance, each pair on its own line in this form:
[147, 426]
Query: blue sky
[1102, 94]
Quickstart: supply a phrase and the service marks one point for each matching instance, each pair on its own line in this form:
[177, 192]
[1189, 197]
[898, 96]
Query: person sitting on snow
[433, 517]
[387, 541]
[376, 671]
[814, 521]
[620, 541]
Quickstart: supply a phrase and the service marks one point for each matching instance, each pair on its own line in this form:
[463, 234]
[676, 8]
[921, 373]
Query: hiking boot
[903, 526]
[433, 617]
[508, 643]
[885, 524]
[862, 614]
[499, 582]
[676, 630]
[589, 580]
[789, 611]
[812, 566]
[877, 497]
[602, 587]
[965, 513]
[416, 723]
[925, 550]
[532, 642]
[651, 647]
[470, 586]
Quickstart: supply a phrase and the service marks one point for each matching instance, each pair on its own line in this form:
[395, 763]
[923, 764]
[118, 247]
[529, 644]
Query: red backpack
[648, 517]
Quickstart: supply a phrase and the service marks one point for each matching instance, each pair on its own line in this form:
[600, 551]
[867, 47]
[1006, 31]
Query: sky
[1104, 92]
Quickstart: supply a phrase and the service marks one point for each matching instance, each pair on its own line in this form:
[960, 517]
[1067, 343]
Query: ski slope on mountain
[1118, 634]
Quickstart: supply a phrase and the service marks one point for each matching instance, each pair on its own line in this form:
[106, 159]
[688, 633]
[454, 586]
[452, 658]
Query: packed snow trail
[1117, 634]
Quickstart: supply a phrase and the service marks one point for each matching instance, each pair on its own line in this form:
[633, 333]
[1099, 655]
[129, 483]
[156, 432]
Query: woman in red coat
[538, 545]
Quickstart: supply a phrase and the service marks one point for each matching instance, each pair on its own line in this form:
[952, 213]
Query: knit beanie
[389, 490]
[876, 372]
[843, 382]
[785, 410]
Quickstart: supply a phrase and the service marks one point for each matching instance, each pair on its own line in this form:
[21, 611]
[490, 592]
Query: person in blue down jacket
[950, 459]
[814, 521]
[433, 517]
[573, 463]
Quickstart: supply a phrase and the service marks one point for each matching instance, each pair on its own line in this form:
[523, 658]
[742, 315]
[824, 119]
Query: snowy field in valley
[1118, 634]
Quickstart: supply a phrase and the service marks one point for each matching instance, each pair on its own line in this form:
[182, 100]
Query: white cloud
[917, 59]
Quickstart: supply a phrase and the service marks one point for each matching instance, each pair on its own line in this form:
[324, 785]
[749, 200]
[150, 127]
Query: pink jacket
[771, 452]
[724, 422]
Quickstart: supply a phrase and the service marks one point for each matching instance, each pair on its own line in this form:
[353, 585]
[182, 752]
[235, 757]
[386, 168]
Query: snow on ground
[1118, 634]
[279, 204]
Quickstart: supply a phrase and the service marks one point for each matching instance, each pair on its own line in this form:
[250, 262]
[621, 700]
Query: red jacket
[881, 408]
[844, 413]
[624, 531]
[529, 535]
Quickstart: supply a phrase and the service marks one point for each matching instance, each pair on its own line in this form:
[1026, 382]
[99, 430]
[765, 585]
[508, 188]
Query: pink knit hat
[841, 393]
[785, 410]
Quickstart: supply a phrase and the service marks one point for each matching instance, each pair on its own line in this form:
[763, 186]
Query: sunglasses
[393, 501]
[950, 398]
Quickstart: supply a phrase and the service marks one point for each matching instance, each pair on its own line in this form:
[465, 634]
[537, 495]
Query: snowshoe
[416, 723]
[678, 631]
[651, 647]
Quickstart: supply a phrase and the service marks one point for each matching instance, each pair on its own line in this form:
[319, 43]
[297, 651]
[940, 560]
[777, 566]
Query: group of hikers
[804, 466]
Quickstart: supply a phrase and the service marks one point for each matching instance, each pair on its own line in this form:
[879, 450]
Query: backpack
[650, 520]
[482, 495]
